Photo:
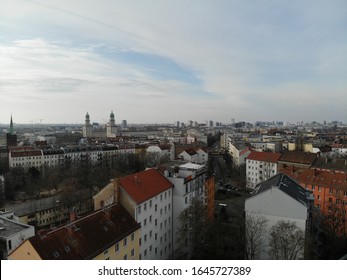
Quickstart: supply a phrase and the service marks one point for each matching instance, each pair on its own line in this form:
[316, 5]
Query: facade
[12, 235]
[28, 156]
[107, 234]
[52, 211]
[238, 152]
[148, 197]
[210, 189]
[330, 193]
[189, 182]
[260, 166]
[280, 198]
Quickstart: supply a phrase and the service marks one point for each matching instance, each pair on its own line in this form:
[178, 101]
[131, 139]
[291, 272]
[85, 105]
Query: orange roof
[319, 178]
[145, 185]
[264, 156]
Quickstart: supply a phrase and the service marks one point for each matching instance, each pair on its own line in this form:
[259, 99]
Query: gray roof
[287, 185]
[9, 228]
[33, 206]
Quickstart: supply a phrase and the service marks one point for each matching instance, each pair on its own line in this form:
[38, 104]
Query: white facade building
[260, 166]
[280, 199]
[12, 235]
[147, 196]
[189, 182]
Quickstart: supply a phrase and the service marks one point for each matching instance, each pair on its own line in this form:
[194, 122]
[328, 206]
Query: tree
[255, 233]
[287, 241]
[192, 230]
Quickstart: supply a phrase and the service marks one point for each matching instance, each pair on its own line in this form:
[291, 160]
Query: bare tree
[255, 231]
[287, 241]
[192, 230]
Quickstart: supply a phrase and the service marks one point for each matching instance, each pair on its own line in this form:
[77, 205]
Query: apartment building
[189, 182]
[12, 235]
[27, 157]
[276, 199]
[148, 197]
[260, 166]
[330, 193]
[107, 234]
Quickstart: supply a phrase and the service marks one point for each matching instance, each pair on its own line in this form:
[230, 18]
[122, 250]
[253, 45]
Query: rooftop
[285, 184]
[145, 185]
[87, 237]
[298, 157]
[9, 228]
[264, 156]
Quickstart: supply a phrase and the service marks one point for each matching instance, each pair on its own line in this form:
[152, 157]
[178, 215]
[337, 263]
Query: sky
[157, 61]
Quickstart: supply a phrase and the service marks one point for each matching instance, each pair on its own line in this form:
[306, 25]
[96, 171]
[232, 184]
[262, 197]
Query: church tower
[87, 128]
[11, 137]
[111, 129]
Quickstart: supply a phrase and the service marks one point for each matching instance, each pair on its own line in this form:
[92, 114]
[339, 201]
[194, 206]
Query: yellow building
[107, 234]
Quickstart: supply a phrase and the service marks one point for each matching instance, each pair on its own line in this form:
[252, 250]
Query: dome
[111, 115]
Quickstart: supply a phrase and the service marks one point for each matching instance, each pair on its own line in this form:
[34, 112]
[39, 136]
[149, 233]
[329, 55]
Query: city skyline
[155, 62]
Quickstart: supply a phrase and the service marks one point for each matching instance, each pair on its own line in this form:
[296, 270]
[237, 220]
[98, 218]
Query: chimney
[108, 215]
[73, 216]
[116, 190]
[102, 203]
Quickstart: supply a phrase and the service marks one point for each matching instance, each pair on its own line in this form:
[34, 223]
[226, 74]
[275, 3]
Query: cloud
[208, 60]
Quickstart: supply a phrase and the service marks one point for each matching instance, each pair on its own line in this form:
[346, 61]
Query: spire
[11, 126]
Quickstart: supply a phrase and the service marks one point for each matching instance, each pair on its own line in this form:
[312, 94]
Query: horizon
[155, 62]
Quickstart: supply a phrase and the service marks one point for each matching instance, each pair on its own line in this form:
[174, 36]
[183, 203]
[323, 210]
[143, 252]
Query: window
[318, 197]
[330, 199]
[9, 243]
[132, 252]
[145, 237]
[125, 242]
[161, 197]
[155, 222]
[132, 237]
[150, 234]
[161, 211]
[125, 257]
[139, 209]
[150, 204]
[155, 236]
[145, 222]
[145, 206]
[150, 218]
[156, 207]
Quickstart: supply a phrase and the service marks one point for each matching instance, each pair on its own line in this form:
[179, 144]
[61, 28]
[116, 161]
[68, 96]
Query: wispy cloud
[193, 60]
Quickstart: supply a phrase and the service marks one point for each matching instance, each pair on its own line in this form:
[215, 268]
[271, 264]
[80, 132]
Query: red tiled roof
[264, 156]
[298, 157]
[87, 237]
[319, 178]
[145, 185]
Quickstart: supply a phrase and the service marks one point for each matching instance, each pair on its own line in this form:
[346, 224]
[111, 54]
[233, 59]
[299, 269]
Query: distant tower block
[87, 128]
[124, 124]
[111, 130]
